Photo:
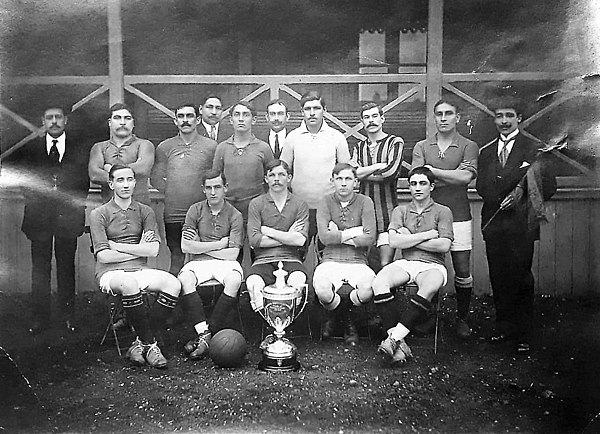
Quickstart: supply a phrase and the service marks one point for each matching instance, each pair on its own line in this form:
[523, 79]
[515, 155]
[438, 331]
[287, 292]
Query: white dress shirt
[60, 144]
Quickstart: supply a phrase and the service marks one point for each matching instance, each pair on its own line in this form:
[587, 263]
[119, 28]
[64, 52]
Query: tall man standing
[452, 159]
[181, 161]
[379, 158]
[53, 172]
[277, 119]
[312, 150]
[509, 235]
[210, 125]
[123, 147]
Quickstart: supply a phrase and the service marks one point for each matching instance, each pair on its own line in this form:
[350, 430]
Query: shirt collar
[129, 141]
[510, 137]
[413, 208]
[454, 143]
[208, 127]
[304, 128]
[337, 198]
[114, 208]
[253, 140]
[60, 144]
[195, 137]
[282, 135]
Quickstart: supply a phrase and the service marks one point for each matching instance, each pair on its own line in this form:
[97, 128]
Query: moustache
[371, 125]
[186, 124]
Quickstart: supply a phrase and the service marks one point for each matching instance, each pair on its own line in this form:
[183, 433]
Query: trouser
[41, 265]
[509, 260]
[173, 237]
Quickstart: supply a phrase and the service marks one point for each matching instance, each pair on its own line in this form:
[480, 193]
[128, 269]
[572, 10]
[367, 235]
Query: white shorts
[414, 268]
[143, 277]
[463, 236]
[216, 269]
[383, 239]
[338, 273]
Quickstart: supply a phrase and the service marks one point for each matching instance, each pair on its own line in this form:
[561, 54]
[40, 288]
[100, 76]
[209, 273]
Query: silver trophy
[281, 305]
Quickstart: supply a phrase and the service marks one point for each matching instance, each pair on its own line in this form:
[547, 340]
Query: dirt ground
[60, 382]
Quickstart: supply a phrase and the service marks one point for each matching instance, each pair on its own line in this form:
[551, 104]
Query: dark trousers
[173, 236]
[509, 260]
[41, 265]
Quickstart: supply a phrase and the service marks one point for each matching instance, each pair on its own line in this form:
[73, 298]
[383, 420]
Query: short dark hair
[120, 106]
[194, 106]
[450, 101]
[209, 96]
[312, 95]
[276, 163]
[246, 104]
[343, 166]
[115, 167]
[65, 111]
[422, 170]
[508, 102]
[212, 174]
[277, 101]
[369, 106]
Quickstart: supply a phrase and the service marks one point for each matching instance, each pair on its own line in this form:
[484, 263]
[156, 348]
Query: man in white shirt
[211, 112]
[277, 119]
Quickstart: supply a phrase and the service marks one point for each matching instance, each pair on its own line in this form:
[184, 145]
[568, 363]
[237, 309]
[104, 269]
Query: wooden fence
[565, 262]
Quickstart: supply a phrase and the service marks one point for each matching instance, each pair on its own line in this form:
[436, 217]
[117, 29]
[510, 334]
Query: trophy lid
[280, 274]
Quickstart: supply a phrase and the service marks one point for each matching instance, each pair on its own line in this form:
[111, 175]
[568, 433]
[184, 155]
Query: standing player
[212, 235]
[452, 159]
[379, 158]
[423, 230]
[347, 228]
[124, 235]
[181, 162]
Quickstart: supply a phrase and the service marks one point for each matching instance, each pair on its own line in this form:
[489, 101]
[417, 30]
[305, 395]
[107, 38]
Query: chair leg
[437, 322]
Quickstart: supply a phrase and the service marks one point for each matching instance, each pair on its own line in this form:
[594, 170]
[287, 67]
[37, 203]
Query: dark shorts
[173, 235]
[265, 271]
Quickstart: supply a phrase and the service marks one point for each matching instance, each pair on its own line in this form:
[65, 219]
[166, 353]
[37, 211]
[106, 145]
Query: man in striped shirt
[379, 158]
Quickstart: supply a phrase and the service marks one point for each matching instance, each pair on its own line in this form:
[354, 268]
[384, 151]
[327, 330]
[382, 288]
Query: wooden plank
[150, 100]
[116, 82]
[594, 246]
[506, 76]
[468, 98]
[18, 119]
[547, 282]
[563, 239]
[582, 241]
[56, 79]
[89, 97]
[435, 38]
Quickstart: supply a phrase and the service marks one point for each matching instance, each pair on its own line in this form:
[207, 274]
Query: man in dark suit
[210, 125]
[53, 174]
[277, 118]
[508, 233]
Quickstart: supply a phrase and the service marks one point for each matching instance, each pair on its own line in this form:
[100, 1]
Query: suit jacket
[495, 182]
[265, 138]
[54, 195]
[225, 131]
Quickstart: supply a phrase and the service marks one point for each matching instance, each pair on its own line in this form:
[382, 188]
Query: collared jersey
[244, 168]
[434, 216]
[202, 225]
[383, 193]
[312, 157]
[178, 172]
[263, 212]
[461, 154]
[359, 211]
[125, 154]
[109, 222]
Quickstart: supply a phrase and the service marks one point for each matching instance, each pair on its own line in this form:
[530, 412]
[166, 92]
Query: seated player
[423, 230]
[124, 234]
[346, 226]
[277, 232]
[212, 235]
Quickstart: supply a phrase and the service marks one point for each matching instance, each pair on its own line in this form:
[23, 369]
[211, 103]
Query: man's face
[506, 120]
[277, 117]
[372, 120]
[186, 120]
[313, 112]
[122, 183]
[215, 191]
[344, 183]
[278, 179]
[54, 121]
[446, 118]
[211, 111]
[242, 119]
[121, 123]
[420, 187]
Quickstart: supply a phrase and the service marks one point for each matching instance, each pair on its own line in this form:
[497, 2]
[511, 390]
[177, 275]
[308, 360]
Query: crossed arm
[429, 240]
[122, 252]
[217, 249]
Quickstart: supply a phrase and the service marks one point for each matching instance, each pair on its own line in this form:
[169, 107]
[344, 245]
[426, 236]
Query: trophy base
[279, 365]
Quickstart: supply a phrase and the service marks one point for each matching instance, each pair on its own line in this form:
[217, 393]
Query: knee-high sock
[221, 311]
[162, 309]
[416, 312]
[385, 308]
[137, 314]
[193, 308]
[464, 288]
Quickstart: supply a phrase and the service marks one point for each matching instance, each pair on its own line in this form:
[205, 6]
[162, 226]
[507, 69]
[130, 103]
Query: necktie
[503, 153]
[54, 155]
[277, 150]
[213, 133]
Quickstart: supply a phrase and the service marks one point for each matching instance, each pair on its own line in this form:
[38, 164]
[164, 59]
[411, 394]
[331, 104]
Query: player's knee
[170, 284]
[188, 282]
[297, 279]
[255, 283]
[232, 283]
[124, 284]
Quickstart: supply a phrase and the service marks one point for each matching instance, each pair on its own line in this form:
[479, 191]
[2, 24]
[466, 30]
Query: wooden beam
[150, 100]
[21, 142]
[57, 79]
[115, 53]
[506, 76]
[435, 36]
[89, 97]
[5, 110]
[468, 98]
